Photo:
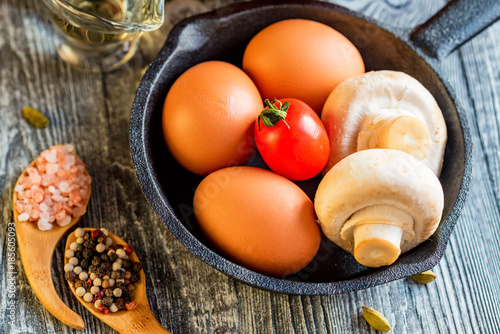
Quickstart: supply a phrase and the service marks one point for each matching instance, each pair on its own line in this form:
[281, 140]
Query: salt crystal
[65, 221]
[23, 217]
[44, 216]
[52, 168]
[57, 198]
[63, 186]
[44, 207]
[70, 159]
[52, 189]
[19, 206]
[44, 226]
[52, 218]
[79, 211]
[19, 188]
[27, 208]
[51, 156]
[34, 213]
[69, 147]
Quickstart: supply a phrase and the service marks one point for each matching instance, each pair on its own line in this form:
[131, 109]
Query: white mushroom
[384, 109]
[378, 203]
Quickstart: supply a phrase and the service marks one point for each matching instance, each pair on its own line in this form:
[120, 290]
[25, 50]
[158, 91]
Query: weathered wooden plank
[188, 296]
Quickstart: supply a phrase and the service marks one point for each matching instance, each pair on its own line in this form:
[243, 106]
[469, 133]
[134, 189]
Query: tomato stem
[275, 112]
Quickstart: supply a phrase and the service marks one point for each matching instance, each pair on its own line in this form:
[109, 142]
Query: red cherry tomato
[292, 139]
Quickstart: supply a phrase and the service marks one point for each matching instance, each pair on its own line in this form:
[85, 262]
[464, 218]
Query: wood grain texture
[186, 295]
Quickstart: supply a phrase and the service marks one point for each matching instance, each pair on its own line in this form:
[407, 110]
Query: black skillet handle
[455, 24]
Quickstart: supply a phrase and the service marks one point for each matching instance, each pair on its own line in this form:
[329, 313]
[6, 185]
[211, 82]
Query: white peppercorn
[79, 232]
[121, 253]
[117, 292]
[116, 266]
[73, 246]
[113, 308]
[73, 261]
[97, 282]
[68, 267]
[83, 275]
[93, 276]
[98, 303]
[88, 297]
[80, 241]
[69, 253]
[94, 290]
[80, 291]
[100, 248]
[105, 231]
[111, 282]
[77, 270]
[109, 242]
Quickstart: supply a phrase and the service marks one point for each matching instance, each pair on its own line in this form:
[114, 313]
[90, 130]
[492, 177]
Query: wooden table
[187, 296]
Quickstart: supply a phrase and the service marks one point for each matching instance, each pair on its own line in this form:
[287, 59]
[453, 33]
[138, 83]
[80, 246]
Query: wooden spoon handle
[147, 323]
[36, 249]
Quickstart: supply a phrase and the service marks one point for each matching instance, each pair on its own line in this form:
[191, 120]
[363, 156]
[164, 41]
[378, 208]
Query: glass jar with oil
[101, 35]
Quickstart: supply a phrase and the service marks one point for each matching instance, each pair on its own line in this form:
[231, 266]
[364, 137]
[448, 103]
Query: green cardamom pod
[425, 277]
[376, 319]
[35, 117]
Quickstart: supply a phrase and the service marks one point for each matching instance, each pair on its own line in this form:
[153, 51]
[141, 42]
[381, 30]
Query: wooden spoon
[138, 320]
[37, 249]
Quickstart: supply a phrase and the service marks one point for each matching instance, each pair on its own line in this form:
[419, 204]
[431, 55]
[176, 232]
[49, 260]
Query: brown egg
[258, 219]
[301, 59]
[208, 116]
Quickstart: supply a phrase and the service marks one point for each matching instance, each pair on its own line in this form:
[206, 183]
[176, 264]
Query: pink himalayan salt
[54, 190]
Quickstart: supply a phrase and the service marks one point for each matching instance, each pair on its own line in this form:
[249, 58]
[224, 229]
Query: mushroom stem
[376, 244]
[404, 133]
[376, 232]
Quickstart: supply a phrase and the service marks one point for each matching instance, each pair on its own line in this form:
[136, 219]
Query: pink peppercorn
[96, 233]
[130, 306]
[103, 309]
[128, 249]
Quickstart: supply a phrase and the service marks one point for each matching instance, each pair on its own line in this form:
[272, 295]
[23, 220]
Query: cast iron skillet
[223, 34]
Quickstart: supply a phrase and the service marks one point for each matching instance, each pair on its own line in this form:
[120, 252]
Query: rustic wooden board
[187, 296]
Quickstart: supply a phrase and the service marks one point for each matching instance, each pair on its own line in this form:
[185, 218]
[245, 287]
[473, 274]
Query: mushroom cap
[379, 177]
[374, 94]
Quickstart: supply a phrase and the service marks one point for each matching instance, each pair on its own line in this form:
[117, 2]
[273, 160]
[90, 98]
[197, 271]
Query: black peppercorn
[112, 256]
[107, 301]
[84, 263]
[78, 283]
[70, 275]
[92, 269]
[87, 253]
[96, 261]
[119, 274]
[104, 258]
[86, 236]
[118, 247]
[101, 240]
[119, 285]
[100, 272]
[136, 267]
[86, 284]
[126, 296]
[106, 266]
[125, 264]
[89, 244]
[108, 293]
[134, 278]
[78, 254]
[120, 304]
[79, 247]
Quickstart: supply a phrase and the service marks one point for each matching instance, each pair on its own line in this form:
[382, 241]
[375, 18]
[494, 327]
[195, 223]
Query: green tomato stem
[273, 114]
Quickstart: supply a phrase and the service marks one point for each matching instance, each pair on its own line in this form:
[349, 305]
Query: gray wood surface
[187, 296]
